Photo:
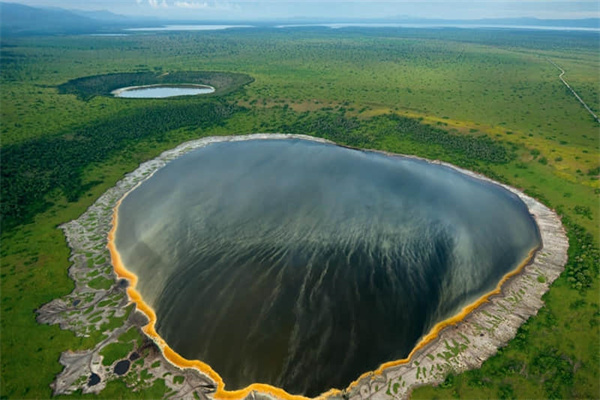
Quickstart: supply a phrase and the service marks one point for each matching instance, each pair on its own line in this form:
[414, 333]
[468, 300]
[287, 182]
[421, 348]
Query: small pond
[161, 91]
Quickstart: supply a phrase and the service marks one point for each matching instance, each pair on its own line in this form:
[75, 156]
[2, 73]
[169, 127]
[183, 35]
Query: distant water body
[303, 265]
[203, 27]
[189, 28]
[430, 26]
[161, 91]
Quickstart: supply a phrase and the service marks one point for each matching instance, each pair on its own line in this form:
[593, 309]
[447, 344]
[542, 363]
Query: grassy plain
[494, 88]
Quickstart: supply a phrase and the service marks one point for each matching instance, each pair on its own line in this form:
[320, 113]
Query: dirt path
[562, 72]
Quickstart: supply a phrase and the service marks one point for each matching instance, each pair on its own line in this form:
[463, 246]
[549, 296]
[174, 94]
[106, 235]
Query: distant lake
[161, 91]
[205, 27]
[303, 264]
[429, 26]
[189, 28]
[109, 34]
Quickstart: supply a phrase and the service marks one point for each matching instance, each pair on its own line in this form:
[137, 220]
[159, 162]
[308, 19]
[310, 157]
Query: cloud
[191, 4]
[205, 5]
[156, 3]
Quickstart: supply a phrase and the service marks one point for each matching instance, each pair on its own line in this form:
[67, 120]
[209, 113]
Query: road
[562, 72]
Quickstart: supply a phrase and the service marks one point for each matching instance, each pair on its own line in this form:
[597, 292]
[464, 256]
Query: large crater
[303, 264]
[151, 83]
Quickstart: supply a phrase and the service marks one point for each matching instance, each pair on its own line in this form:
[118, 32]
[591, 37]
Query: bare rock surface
[100, 307]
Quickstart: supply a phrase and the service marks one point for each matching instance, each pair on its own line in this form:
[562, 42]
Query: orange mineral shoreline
[170, 354]
[437, 328]
[221, 393]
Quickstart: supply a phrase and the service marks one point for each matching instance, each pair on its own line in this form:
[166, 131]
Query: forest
[32, 169]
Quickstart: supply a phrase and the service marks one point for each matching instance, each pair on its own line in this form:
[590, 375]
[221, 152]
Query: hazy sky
[336, 9]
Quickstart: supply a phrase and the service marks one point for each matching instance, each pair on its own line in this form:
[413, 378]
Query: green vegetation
[131, 335]
[115, 351]
[479, 99]
[121, 349]
[367, 133]
[118, 390]
[31, 170]
[116, 322]
[100, 283]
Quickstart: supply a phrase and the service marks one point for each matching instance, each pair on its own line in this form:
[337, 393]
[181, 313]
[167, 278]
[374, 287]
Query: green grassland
[488, 100]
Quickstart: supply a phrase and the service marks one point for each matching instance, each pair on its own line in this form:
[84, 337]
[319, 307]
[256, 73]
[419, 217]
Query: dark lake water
[159, 92]
[304, 265]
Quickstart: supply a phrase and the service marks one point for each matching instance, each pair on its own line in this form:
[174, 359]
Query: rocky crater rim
[87, 87]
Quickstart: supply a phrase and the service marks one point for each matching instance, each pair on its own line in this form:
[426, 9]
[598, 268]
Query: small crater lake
[162, 91]
[303, 265]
